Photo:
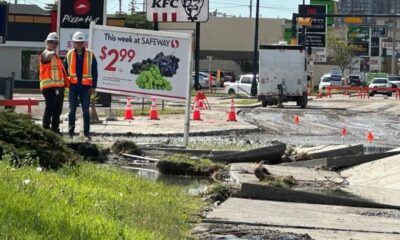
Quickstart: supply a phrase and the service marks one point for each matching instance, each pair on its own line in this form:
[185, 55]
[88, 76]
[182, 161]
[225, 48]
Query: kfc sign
[177, 10]
[79, 13]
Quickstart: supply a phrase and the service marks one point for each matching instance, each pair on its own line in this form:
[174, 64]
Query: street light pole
[393, 67]
[255, 55]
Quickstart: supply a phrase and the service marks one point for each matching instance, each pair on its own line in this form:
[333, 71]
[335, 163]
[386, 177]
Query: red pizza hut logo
[82, 7]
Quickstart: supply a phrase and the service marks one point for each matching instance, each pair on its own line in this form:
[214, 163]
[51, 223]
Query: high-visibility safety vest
[52, 74]
[86, 70]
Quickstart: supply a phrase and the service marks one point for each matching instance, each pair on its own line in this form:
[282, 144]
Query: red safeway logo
[81, 7]
[174, 43]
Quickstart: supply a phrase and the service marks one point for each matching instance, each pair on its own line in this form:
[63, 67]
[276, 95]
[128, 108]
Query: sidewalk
[212, 120]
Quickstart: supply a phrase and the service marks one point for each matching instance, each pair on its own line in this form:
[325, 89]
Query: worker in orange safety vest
[53, 79]
[81, 66]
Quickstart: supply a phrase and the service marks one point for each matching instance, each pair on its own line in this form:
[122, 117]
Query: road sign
[177, 11]
[379, 31]
[315, 39]
[318, 23]
[353, 20]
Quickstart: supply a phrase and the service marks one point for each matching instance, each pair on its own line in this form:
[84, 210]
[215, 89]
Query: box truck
[282, 75]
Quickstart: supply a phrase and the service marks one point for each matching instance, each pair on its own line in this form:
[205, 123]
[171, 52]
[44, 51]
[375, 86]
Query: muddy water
[190, 185]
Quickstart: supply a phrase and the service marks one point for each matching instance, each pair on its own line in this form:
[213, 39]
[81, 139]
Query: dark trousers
[54, 99]
[81, 93]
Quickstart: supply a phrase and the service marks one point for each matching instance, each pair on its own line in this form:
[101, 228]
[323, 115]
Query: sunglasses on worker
[53, 42]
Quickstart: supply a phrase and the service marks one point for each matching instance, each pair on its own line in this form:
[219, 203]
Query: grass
[183, 164]
[91, 202]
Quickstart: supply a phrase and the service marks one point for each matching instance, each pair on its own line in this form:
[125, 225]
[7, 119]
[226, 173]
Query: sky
[238, 8]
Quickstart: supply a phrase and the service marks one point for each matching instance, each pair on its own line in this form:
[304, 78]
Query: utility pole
[393, 68]
[255, 53]
[120, 6]
[251, 8]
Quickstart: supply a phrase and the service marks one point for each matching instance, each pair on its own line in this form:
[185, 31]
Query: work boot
[88, 137]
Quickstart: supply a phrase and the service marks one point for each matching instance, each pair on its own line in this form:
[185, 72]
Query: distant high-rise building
[369, 7]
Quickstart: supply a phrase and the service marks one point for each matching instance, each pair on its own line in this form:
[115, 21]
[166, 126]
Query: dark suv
[354, 80]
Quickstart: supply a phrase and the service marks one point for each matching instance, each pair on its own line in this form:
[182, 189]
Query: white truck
[282, 75]
[242, 86]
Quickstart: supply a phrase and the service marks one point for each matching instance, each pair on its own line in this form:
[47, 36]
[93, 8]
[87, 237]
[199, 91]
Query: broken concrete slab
[269, 154]
[306, 216]
[331, 150]
[341, 162]
[382, 173]
[314, 186]
[244, 173]
[306, 195]
[373, 194]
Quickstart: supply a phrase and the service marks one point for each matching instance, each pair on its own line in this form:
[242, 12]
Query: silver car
[380, 83]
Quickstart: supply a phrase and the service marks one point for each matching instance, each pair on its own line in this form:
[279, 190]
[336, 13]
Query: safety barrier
[362, 92]
[20, 102]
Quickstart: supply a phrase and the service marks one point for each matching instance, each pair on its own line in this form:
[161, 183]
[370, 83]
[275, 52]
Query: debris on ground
[89, 151]
[219, 192]
[292, 155]
[271, 180]
[124, 146]
[182, 164]
[209, 231]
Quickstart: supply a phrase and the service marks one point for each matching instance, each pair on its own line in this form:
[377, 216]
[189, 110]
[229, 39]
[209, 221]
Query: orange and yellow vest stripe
[51, 74]
[87, 67]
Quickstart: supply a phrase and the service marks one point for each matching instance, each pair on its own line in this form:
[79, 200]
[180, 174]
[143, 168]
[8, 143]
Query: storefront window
[30, 65]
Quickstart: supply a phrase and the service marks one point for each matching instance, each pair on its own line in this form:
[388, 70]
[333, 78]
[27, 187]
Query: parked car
[329, 80]
[380, 83]
[203, 80]
[354, 80]
[242, 86]
[394, 80]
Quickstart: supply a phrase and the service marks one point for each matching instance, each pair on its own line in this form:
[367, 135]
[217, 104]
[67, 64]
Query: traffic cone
[370, 136]
[232, 112]
[153, 110]
[196, 112]
[201, 103]
[343, 132]
[296, 119]
[128, 114]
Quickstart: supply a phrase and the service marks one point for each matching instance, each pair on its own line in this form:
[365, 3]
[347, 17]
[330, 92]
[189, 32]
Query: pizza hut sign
[79, 13]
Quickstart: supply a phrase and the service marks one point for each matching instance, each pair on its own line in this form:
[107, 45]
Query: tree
[340, 51]
[137, 20]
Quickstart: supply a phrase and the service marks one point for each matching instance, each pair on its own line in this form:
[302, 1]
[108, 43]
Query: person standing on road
[53, 79]
[81, 66]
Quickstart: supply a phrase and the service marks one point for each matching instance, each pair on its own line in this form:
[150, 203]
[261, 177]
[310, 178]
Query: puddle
[190, 185]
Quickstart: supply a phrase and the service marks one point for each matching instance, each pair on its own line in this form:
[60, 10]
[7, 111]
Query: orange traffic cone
[232, 112]
[296, 119]
[153, 110]
[128, 114]
[370, 136]
[343, 133]
[196, 112]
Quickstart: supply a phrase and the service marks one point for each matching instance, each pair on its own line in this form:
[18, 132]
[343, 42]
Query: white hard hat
[78, 37]
[52, 37]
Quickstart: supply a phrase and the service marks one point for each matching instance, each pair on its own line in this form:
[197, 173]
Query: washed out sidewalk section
[212, 121]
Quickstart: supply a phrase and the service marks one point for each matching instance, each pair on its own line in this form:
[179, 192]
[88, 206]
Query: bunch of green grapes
[151, 79]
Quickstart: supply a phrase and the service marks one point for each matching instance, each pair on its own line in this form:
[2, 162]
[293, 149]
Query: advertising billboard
[142, 62]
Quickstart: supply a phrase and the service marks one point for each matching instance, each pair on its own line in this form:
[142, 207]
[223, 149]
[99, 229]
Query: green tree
[340, 52]
[137, 20]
